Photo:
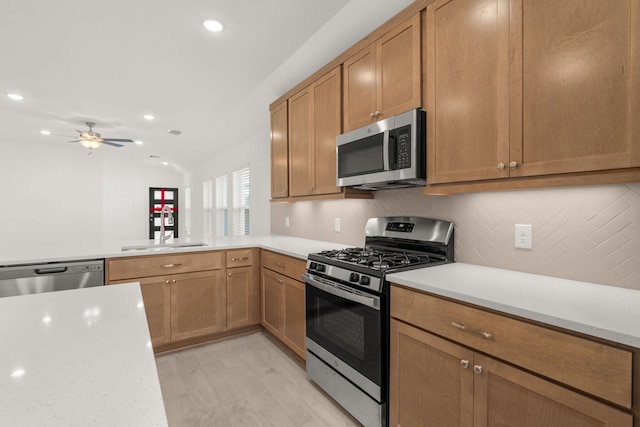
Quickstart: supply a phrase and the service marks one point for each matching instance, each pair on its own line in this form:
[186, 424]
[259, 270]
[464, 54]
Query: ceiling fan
[91, 139]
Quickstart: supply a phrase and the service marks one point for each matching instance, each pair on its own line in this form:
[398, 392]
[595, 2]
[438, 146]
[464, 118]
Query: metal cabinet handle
[501, 166]
[485, 334]
[173, 281]
[279, 280]
[170, 265]
[280, 265]
[244, 258]
[477, 369]
[228, 274]
[513, 165]
[464, 364]
[166, 281]
[371, 115]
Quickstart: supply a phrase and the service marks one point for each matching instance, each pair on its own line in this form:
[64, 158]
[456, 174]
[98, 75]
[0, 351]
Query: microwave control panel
[403, 147]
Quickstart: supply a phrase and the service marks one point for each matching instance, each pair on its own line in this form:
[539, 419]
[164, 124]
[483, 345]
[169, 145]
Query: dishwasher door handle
[53, 270]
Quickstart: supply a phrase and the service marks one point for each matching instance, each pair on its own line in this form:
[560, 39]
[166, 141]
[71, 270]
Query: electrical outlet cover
[523, 236]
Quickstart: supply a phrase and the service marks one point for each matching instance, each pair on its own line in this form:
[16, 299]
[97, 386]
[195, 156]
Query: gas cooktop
[378, 258]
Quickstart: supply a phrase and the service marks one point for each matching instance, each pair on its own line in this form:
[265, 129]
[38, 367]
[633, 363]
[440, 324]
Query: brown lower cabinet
[243, 288]
[201, 299]
[283, 300]
[437, 381]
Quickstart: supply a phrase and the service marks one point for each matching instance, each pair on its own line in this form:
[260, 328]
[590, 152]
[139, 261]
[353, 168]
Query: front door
[158, 198]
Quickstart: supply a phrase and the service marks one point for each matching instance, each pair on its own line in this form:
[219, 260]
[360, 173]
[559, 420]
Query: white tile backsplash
[590, 234]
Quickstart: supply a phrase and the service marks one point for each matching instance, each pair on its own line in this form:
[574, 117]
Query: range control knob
[313, 265]
[320, 267]
[365, 280]
[354, 277]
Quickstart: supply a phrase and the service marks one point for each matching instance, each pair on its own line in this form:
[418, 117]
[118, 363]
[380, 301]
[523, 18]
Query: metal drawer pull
[280, 265]
[485, 334]
[279, 280]
[464, 364]
[477, 369]
[170, 265]
[244, 258]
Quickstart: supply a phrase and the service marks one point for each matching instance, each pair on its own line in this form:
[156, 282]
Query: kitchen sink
[163, 246]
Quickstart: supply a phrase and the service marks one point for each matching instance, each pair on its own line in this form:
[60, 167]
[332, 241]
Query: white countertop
[46, 251]
[602, 311]
[78, 358]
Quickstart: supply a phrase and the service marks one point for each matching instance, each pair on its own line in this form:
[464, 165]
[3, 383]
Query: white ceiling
[113, 61]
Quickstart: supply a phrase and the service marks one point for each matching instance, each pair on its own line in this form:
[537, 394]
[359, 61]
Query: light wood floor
[243, 381]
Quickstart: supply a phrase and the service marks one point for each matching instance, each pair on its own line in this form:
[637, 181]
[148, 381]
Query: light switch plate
[336, 225]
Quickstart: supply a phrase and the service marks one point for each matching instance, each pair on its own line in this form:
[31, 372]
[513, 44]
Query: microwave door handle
[368, 301]
[393, 152]
[385, 150]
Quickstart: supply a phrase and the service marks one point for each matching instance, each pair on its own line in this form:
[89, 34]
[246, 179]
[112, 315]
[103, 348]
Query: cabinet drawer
[595, 368]
[239, 258]
[283, 264]
[158, 265]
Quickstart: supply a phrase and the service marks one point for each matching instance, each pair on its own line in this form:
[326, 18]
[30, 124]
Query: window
[207, 207]
[241, 183]
[187, 211]
[221, 205]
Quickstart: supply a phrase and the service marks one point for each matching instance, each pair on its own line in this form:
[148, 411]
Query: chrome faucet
[166, 210]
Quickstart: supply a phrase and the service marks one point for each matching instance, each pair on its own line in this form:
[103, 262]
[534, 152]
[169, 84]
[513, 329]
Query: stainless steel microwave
[383, 155]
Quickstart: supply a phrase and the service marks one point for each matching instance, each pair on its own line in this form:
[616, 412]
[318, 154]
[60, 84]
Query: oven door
[346, 329]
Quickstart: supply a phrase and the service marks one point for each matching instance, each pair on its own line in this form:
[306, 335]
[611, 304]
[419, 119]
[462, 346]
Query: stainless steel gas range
[347, 309]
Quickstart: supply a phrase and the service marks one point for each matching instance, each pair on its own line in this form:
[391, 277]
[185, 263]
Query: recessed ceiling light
[139, 142]
[149, 117]
[15, 96]
[45, 132]
[165, 163]
[214, 26]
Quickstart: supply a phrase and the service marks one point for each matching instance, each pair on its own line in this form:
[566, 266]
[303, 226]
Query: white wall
[61, 193]
[253, 152]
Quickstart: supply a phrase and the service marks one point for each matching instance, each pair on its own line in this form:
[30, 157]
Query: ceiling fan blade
[66, 136]
[113, 144]
[117, 140]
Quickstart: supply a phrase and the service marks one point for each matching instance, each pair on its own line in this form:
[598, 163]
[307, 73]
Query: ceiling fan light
[90, 143]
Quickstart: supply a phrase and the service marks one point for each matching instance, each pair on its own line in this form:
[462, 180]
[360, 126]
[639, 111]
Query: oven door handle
[372, 302]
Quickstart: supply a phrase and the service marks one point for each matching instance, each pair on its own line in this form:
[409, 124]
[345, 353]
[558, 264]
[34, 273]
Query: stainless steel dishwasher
[55, 276]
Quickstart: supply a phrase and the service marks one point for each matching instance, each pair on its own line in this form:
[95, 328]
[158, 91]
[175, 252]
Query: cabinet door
[431, 380]
[399, 77]
[156, 294]
[467, 90]
[359, 89]
[294, 325]
[272, 295]
[197, 304]
[301, 168]
[580, 86]
[279, 151]
[506, 396]
[242, 298]
[326, 126]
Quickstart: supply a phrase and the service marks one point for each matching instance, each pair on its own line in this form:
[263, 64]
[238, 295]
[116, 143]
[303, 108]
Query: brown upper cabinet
[314, 123]
[279, 151]
[384, 78]
[531, 88]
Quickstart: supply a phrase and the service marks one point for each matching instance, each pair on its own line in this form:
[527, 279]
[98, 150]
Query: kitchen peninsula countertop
[601, 311]
[81, 357]
[46, 251]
